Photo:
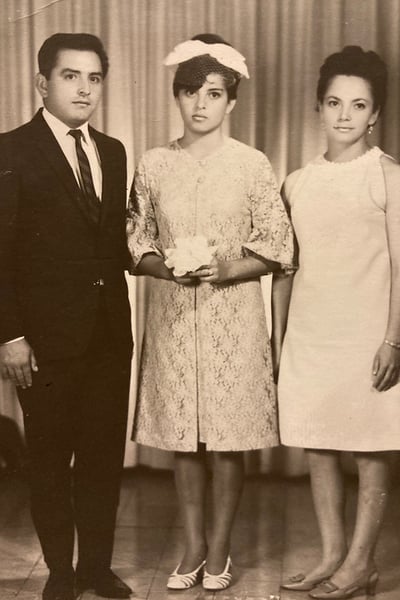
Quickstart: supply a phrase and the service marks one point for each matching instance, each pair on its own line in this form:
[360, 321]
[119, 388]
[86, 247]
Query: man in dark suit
[64, 313]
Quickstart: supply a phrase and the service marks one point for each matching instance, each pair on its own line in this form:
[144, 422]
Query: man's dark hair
[47, 57]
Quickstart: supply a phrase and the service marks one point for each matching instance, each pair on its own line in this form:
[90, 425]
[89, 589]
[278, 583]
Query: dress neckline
[175, 144]
[375, 150]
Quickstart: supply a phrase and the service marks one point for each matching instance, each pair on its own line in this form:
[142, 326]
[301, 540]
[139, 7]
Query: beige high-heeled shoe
[184, 581]
[365, 583]
[300, 583]
[220, 581]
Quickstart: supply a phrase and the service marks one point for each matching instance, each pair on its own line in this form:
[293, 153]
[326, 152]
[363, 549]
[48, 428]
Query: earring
[370, 128]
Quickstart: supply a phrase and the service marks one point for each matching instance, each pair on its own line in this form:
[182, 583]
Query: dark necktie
[87, 186]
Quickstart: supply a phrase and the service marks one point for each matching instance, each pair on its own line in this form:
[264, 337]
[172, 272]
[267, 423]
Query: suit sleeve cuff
[14, 340]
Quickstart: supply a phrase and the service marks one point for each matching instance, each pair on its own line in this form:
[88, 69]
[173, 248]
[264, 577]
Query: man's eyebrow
[69, 70]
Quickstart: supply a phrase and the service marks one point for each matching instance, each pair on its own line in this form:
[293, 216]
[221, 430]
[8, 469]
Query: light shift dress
[205, 371]
[338, 311]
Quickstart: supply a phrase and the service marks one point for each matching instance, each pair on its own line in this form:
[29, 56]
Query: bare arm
[280, 300]
[229, 271]
[282, 290]
[386, 366]
[154, 265]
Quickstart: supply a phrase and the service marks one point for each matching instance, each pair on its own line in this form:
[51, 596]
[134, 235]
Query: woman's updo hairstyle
[353, 60]
[192, 74]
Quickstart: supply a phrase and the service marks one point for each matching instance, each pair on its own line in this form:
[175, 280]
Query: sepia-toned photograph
[199, 299]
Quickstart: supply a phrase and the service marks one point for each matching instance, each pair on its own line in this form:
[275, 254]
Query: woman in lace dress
[206, 379]
[338, 385]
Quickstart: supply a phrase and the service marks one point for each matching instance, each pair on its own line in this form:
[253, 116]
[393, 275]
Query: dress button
[98, 281]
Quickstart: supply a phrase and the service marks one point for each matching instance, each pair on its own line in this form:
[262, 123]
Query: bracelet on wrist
[392, 344]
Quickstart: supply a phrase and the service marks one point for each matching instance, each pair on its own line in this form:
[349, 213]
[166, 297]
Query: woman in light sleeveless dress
[206, 384]
[338, 382]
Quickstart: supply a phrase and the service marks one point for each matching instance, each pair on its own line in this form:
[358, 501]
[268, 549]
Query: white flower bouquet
[190, 254]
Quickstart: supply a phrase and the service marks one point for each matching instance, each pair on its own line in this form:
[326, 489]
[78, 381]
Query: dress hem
[336, 447]
[208, 448]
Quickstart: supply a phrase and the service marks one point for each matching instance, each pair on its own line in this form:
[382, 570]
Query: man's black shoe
[104, 583]
[59, 586]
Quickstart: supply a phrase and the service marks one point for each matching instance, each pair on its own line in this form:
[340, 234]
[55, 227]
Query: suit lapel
[51, 150]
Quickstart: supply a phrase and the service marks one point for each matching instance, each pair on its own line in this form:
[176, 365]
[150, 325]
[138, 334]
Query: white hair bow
[224, 54]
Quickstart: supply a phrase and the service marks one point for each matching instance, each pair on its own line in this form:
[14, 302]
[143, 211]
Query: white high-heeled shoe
[184, 581]
[218, 582]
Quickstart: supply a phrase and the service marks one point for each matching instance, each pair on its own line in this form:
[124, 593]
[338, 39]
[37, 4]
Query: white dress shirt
[67, 145]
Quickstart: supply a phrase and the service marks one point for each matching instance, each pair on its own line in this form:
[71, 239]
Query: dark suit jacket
[51, 254]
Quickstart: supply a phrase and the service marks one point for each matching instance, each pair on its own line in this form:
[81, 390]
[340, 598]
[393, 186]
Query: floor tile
[275, 535]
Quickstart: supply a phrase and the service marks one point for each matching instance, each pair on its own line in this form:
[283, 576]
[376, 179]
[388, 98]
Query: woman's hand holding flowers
[186, 260]
[215, 272]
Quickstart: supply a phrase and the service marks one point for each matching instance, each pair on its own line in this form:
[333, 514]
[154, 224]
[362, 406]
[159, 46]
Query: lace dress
[338, 311]
[205, 370]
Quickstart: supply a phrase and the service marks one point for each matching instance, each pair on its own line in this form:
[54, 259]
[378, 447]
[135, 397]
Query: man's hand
[17, 361]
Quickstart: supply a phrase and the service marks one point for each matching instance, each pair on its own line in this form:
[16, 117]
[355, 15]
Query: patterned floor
[275, 535]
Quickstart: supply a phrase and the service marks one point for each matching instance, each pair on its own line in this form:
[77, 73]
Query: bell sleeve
[271, 236]
[142, 230]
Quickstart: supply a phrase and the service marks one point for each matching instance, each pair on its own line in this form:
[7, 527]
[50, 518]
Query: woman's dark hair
[353, 60]
[48, 53]
[192, 74]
